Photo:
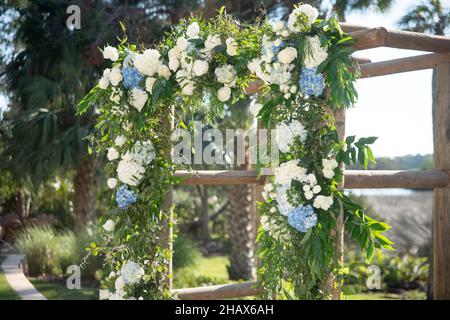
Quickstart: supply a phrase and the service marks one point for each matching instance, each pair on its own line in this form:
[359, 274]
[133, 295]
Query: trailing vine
[305, 72]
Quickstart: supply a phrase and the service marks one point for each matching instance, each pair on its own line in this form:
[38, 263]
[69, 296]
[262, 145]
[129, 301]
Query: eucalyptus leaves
[203, 67]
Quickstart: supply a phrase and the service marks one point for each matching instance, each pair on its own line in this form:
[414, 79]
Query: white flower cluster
[110, 76]
[275, 65]
[284, 174]
[286, 134]
[110, 53]
[130, 169]
[130, 274]
[328, 167]
[280, 29]
[138, 98]
[225, 75]
[302, 17]
[317, 55]
[189, 62]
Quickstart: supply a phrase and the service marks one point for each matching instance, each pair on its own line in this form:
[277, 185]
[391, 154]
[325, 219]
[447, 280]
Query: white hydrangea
[174, 63]
[200, 67]
[111, 182]
[287, 55]
[286, 134]
[318, 53]
[328, 167]
[232, 46]
[255, 107]
[148, 62]
[138, 98]
[193, 30]
[115, 76]
[110, 53]
[226, 74]
[143, 151]
[149, 82]
[224, 94]
[130, 171]
[131, 272]
[302, 17]
[109, 225]
[289, 171]
[188, 88]
[323, 202]
[112, 154]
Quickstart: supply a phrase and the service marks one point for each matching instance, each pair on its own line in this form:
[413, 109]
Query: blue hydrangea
[302, 218]
[125, 197]
[131, 78]
[311, 84]
[276, 48]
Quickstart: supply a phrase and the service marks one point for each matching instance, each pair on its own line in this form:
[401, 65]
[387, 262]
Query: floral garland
[204, 66]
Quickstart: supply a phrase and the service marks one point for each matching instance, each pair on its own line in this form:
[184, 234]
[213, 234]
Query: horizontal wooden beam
[421, 62]
[354, 179]
[367, 38]
[218, 291]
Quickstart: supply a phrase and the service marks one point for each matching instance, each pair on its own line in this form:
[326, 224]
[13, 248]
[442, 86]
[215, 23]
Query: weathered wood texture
[216, 292]
[354, 179]
[367, 38]
[421, 62]
[441, 196]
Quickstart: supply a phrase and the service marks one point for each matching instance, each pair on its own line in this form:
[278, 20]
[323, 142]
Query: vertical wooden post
[340, 126]
[441, 196]
[167, 235]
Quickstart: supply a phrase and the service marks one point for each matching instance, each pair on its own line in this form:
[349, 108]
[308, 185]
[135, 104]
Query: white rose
[193, 30]
[103, 83]
[112, 183]
[224, 94]
[115, 76]
[182, 43]
[200, 67]
[311, 178]
[309, 195]
[212, 41]
[255, 108]
[164, 71]
[328, 173]
[109, 225]
[110, 53]
[287, 55]
[174, 53]
[112, 154]
[120, 141]
[316, 189]
[188, 88]
[149, 82]
[232, 46]
[174, 64]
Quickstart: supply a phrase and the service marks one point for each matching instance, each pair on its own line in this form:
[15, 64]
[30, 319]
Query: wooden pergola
[438, 179]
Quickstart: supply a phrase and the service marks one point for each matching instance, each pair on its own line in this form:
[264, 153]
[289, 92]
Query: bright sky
[396, 108]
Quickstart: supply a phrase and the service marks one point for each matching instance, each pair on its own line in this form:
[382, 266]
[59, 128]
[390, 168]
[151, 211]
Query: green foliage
[185, 252]
[50, 253]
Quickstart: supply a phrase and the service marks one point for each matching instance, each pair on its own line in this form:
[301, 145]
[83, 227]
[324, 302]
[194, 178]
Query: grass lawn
[58, 291]
[6, 292]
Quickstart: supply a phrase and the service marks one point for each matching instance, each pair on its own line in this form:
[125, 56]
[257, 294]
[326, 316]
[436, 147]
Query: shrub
[51, 253]
[185, 252]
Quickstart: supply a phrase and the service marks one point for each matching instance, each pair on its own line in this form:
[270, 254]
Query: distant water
[382, 192]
